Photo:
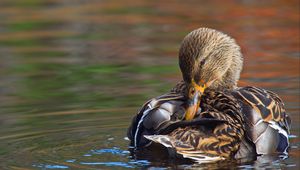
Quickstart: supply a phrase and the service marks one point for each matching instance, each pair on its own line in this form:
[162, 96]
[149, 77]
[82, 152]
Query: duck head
[208, 59]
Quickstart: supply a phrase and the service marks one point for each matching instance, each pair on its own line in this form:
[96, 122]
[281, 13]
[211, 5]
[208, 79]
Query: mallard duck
[206, 117]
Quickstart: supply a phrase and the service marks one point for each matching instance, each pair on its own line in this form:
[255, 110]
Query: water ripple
[48, 166]
[120, 164]
[114, 151]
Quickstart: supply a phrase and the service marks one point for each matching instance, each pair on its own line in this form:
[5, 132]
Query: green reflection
[31, 25]
[28, 3]
[102, 85]
[20, 42]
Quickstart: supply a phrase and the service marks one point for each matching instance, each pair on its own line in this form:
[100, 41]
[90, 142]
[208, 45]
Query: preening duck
[206, 117]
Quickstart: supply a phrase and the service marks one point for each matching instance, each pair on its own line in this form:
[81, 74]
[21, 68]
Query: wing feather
[152, 115]
[218, 139]
[266, 103]
[267, 122]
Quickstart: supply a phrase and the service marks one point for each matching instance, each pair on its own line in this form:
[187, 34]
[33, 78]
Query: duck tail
[183, 151]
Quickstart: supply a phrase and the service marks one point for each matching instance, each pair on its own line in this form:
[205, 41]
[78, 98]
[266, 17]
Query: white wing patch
[150, 107]
[200, 157]
[197, 156]
[280, 130]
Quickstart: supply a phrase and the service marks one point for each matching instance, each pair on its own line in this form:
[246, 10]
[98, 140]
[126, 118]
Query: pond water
[73, 73]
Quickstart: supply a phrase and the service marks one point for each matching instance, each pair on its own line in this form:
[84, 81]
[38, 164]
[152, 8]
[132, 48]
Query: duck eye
[202, 62]
[192, 91]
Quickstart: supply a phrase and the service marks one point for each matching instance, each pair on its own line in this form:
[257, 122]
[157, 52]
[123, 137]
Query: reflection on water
[73, 73]
[103, 153]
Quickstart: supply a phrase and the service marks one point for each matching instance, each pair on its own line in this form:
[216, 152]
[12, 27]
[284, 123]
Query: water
[73, 73]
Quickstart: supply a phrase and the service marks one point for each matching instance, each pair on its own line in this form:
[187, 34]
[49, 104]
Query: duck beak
[193, 103]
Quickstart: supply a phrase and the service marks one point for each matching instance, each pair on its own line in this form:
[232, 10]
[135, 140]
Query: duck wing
[210, 141]
[162, 115]
[267, 123]
[154, 115]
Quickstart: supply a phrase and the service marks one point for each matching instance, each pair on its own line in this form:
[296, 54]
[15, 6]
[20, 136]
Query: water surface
[73, 73]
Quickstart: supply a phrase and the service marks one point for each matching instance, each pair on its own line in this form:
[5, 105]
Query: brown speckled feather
[266, 103]
[238, 124]
[215, 140]
[265, 118]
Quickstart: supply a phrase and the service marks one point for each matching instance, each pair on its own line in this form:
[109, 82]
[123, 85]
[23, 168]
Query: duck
[206, 117]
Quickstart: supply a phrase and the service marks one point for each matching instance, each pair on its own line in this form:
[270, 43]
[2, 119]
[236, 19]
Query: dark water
[74, 72]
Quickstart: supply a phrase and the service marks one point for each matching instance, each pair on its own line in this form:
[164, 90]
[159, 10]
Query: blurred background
[73, 72]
